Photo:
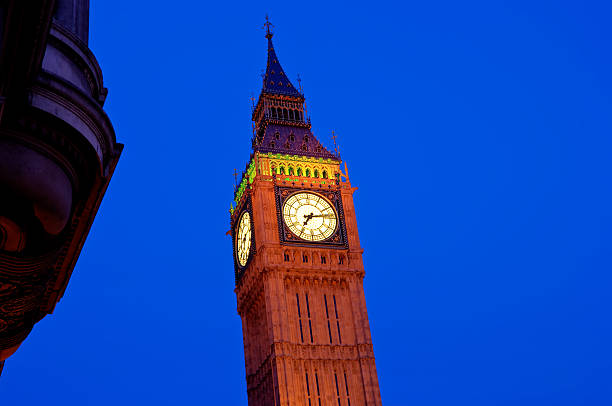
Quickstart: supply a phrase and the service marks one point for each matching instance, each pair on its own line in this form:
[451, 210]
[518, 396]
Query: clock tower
[298, 262]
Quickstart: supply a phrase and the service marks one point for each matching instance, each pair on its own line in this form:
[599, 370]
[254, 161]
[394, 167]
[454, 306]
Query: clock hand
[311, 215]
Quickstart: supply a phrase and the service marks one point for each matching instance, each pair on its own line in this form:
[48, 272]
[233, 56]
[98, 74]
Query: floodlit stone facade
[298, 263]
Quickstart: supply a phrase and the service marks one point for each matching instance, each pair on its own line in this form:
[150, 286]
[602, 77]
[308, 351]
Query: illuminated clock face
[310, 216]
[243, 238]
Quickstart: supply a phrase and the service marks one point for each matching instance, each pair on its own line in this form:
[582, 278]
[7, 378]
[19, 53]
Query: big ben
[298, 262]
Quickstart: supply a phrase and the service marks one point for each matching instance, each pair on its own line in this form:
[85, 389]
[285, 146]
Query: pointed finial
[345, 175]
[299, 80]
[334, 136]
[267, 26]
[235, 178]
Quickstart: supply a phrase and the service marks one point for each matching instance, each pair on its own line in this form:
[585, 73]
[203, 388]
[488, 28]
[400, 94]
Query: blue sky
[478, 134]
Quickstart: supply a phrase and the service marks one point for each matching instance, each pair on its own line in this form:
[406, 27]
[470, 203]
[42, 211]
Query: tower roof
[281, 123]
[283, 139]
[275, 81]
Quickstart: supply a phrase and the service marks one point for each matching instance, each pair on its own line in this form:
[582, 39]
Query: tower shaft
[298, 263]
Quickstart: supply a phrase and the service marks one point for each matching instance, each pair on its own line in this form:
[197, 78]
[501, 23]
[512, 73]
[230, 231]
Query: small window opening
[346, 387]
[316, 173]
[297, 297]
[286, 257]
[307, 172]
[299, 172]
[308, 390]
[325, 174]
[341, 260]
[323, 259]
[277, 135]
[309, 320]
[337, 388]
[327, 315]
[318, 392]
[337, 320]
[291, 170]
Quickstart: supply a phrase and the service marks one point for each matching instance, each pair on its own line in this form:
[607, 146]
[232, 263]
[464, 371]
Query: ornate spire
[275, 80]
[280, 123]
[267, 26]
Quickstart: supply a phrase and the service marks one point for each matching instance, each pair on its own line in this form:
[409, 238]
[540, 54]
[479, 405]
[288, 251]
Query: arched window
[291, 170]
[285, 114]
[316, 173]
[291, 137]
[290, 114]
[299, 172]
[277, 135]
[307, 172]
[325, 174]
[273, 170]
[305, 138]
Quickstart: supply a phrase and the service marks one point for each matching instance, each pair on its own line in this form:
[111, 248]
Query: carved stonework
[303, 312]
[58, 152]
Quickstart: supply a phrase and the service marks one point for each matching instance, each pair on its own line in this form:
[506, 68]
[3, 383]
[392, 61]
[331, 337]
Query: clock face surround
[243, 239]
[309, 216]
